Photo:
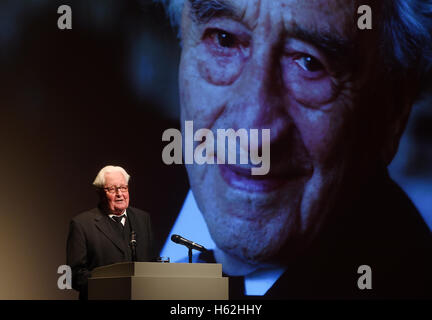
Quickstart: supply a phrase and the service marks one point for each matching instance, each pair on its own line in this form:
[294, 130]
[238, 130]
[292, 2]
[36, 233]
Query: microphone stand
[190, 254]
[133, 246]
[133, 241]
[188, 244]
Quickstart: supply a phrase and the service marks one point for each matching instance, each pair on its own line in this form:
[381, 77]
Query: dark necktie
[118, 219]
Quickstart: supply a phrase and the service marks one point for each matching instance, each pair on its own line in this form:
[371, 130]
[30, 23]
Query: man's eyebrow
[204, 10]
[333, 45]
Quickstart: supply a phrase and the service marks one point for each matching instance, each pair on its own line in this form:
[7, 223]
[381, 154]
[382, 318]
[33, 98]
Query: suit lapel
[131, 219]
[103, 224]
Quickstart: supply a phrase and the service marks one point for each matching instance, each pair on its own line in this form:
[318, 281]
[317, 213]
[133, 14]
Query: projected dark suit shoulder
[383, 230]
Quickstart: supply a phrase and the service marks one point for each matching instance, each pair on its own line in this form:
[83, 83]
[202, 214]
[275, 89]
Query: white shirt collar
[124, 214]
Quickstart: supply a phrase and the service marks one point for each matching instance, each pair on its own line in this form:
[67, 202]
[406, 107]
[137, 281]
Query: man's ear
[401, 101]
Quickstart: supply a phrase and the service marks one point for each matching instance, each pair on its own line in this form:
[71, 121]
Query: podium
[158, 281]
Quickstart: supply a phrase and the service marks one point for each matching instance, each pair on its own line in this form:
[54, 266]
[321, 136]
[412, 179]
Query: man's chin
[119, 209]
[252, 247]
[252, 255]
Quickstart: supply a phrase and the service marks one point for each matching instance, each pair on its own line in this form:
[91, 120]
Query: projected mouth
[241, 178]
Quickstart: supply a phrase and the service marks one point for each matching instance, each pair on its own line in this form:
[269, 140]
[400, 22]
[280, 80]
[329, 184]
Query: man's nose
[260, 96]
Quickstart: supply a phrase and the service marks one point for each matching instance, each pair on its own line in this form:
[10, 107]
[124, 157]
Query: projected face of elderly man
[303, 70]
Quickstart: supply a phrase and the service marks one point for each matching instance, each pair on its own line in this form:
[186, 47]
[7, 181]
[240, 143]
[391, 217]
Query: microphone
[133, 244]
[190, 244]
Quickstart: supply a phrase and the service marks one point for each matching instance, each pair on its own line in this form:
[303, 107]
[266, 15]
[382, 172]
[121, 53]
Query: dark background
[73, 101]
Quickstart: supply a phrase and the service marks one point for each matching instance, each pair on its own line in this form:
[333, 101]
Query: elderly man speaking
[102, 236]
[326, 221]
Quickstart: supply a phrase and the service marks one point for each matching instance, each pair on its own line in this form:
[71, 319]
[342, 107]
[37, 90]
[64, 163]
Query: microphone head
[133, 237]
[175, 238]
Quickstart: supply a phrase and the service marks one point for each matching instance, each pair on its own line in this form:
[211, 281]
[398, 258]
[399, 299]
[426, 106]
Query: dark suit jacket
[93, 242]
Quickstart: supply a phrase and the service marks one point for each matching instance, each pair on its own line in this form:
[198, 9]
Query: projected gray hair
[406, 32]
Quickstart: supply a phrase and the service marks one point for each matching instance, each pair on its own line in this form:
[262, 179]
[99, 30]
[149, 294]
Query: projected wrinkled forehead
[404, 27]
[204, 10]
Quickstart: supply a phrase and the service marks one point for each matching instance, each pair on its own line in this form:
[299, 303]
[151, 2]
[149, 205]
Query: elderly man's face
[117, 201]
[284, 65]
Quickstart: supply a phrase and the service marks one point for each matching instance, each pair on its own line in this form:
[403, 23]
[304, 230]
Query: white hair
[99, 181]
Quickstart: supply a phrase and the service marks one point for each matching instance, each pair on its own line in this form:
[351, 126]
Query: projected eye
[307, 79]
[310, 64]
[224, 43]
[225, 39]
[224, 53]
